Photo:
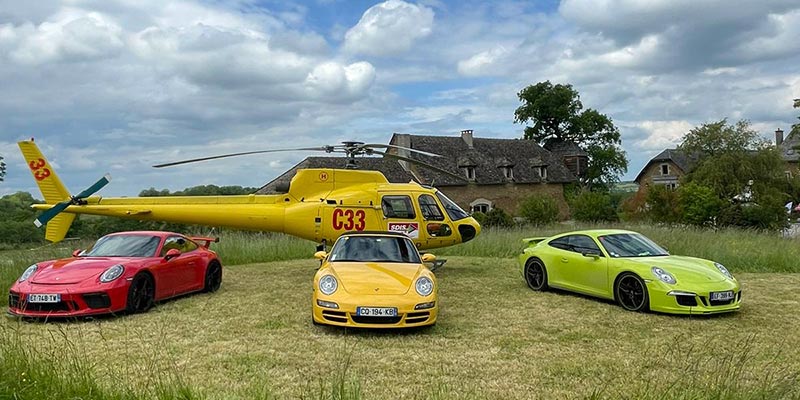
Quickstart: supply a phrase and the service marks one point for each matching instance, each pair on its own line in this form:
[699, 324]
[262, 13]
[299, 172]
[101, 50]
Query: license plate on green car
[721, 296]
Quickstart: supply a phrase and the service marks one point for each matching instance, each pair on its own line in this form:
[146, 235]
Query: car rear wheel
[141, 294]
[213, 277]
[631, 293]
[536, 274]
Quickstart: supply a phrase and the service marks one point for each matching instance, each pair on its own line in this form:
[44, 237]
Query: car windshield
[124, 246]
[453, 210]
[630, 245]
[390, 249]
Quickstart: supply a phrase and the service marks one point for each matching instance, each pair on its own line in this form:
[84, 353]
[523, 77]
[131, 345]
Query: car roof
[146, 233]
[597, 232]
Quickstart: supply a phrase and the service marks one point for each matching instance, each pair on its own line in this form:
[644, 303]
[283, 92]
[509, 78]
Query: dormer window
[470, 171]
[543, 172]
[664, 169]
[508, 172]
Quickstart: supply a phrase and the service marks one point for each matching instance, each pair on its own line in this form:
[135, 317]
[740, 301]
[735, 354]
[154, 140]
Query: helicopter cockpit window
[429, 209]
[397, 207]
[453, 210]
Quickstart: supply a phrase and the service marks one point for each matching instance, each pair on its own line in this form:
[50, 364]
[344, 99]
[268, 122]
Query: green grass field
[495, 338]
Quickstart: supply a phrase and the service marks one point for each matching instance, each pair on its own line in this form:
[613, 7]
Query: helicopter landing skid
[437, 264]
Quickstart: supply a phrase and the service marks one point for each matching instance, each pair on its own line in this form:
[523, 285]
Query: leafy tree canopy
[2, 169]
[716, 138]
[796, 127]
[555, 113]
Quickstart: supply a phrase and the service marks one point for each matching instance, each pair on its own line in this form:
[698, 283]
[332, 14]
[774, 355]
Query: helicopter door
[435, 225]
[398, 211]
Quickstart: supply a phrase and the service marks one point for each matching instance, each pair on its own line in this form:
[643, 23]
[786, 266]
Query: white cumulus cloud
[389, 28]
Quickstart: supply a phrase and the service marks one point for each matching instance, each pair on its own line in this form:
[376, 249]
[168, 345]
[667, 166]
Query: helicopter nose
[469, 230]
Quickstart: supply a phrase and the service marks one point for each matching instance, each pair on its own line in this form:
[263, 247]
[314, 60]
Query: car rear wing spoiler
[207, 240]
[534, 240]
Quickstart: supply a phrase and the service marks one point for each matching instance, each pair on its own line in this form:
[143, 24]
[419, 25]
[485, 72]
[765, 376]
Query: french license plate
[44, 298]
[376, 311]
[721, 296]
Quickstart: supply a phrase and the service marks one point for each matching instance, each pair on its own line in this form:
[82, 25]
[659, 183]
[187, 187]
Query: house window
[480, 205]
[508, 172]
[664, 169]
[543, 172]
[470, 171]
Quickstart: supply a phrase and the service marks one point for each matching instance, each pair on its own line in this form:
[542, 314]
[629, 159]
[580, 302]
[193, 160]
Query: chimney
[466, 135]
[778, 136]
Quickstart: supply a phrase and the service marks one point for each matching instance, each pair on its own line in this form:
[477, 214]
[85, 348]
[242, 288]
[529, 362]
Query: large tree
[2, 169]
[731, 160]
[555, 113]
[796, 127]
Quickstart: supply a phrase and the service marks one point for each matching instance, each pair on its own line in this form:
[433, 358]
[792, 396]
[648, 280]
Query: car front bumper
[408, 313]
[693, 300]
[73, 303]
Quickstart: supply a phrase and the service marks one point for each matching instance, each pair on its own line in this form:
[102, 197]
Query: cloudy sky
[119, 85]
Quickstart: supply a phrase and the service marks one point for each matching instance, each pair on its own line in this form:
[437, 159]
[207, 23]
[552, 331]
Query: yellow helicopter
[320, 204]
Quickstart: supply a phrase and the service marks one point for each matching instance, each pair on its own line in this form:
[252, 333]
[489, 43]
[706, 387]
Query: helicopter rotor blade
[391, 146]
[327, 149]
[423, 164]
[51, 213]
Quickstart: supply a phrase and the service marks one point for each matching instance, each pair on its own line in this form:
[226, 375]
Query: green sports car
[630, 269]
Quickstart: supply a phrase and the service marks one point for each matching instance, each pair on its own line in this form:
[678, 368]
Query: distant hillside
[625, 187]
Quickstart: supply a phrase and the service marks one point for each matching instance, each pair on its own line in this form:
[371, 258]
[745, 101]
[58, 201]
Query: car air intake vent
[97, 300]
[687, 301]
[13, 300]
[360, 319]
[335, 316]
[417, 317]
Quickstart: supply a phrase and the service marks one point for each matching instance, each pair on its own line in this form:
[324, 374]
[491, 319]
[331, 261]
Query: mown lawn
[495, 339]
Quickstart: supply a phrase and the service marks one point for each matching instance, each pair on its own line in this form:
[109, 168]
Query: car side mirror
[172, 253]
[428, 257]
[77, 253]
[320, 255]
[591, 254]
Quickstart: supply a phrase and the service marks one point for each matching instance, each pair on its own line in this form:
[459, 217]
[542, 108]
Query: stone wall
[508, 196]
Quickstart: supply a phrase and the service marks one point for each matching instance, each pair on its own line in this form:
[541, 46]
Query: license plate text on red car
[376, 311]
[43, 298]
[721, 296]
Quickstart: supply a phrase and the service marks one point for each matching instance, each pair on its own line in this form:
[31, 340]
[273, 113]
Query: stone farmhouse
[667, 167]
[496, 172]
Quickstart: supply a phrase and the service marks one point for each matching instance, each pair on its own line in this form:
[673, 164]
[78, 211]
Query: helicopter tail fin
[53, 190]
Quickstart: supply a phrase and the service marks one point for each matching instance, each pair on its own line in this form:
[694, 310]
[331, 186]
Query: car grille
[61, 306]
[97, 300]
[417, 317]
[714, 303]
[361, 319]
[335, 316]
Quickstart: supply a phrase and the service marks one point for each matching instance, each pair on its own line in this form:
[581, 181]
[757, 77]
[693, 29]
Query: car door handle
[564, 260]
[191, 264]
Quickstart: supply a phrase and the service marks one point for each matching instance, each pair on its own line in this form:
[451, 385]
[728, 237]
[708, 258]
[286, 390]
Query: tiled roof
[488, 157]
[565, 149]
[790, 148]
[681, 159]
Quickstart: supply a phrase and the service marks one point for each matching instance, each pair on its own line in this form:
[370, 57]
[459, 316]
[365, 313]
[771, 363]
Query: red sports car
[125, 271]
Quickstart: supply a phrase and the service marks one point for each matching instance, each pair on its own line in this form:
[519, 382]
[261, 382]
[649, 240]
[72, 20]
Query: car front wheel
[141, 294]
[631, 293]
[536, 274]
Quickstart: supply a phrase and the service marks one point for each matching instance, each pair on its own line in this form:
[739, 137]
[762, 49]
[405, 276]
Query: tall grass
[702, 372]
[57, 371]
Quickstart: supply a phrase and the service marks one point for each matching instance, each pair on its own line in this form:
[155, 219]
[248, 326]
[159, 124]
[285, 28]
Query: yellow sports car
[374, 280]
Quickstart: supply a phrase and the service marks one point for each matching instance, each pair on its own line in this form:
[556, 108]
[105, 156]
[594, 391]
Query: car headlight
[328, 284]
[113, 272]
[424, 286]
[724, 270]
[663, 276]
[28, 272]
